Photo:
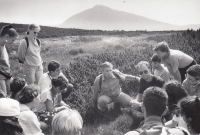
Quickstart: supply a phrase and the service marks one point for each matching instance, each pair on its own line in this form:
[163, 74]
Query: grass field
[80, 57]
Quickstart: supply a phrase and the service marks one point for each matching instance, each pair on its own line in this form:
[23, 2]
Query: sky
[54, 12]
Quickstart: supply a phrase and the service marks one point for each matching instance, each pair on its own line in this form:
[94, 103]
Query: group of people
[30, 106]
[168, 92]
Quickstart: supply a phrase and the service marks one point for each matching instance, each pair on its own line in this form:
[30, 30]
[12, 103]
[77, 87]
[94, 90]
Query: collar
[103, 78]
[152, 121]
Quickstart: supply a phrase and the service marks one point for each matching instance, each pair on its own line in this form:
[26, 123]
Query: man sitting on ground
[154, 107]
[107, 89]
[54, 69]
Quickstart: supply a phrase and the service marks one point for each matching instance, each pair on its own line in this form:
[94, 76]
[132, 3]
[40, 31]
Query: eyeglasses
[36, 32]
[143, 72]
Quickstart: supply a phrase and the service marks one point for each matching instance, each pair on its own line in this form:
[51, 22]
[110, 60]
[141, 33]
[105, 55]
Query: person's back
[154, 106]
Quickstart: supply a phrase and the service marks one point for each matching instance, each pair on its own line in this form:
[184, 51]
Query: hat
[9, 107]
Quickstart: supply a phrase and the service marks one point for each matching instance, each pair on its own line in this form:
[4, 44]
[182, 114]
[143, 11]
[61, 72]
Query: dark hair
[162, 46]
[155, 58]
[16, 85]
[59, 82]
[53, 65]
[190, 108]
[194, 71]
[28, 93]
[175, 92]
[155, 101]
[8, 29]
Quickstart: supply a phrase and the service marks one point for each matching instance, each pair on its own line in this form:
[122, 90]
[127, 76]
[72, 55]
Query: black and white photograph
[99, 67]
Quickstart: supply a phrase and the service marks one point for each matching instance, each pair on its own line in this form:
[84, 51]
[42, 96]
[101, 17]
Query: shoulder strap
[38, 41]
[100, 81]
[27, 43]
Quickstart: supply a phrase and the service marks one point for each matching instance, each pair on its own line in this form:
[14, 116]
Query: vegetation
[124, 53]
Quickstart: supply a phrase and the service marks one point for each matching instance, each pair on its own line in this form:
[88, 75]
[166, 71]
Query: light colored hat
[9, 107]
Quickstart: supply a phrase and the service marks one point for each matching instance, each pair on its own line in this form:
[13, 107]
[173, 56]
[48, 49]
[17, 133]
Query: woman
[28, 99]
[147, 79]
[7, 36]
[176, 61]
[190, 110]
[29, 55]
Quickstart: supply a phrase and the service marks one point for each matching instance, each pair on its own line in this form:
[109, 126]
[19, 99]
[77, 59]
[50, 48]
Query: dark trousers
[183, 70]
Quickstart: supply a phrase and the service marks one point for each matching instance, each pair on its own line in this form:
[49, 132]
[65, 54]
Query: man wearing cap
[106, 88]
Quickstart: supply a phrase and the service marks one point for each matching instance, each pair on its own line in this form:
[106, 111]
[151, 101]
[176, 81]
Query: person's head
[67, 122]
[107, 68]
[175, 92]
[8, 34]
[9, 115]
[162, 49]
[154, 102]
[144, 70]
[16, 86]
[59, 84]
[29, 96]
[156, 61]
[33, 30]
[193, 74]
[54, 68]
[190, 110]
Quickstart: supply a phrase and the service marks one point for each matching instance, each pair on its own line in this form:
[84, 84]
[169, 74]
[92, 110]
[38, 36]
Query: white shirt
[164, 74]
[45, 82]
[30, 124]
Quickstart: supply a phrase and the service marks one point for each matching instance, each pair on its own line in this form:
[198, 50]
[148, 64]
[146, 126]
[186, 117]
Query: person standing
[176, 61]
[29, 55]
[7, 36]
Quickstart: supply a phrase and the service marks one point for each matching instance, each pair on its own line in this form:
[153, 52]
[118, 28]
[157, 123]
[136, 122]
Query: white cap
[9, 107]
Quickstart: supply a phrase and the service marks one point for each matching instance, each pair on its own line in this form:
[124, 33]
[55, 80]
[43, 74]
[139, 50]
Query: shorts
[28, 69]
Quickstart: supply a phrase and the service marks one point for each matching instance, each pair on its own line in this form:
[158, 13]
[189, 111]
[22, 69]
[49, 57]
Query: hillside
[105, 18]
[50, 32]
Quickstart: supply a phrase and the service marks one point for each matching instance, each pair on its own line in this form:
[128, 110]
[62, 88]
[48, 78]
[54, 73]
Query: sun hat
[10, 107]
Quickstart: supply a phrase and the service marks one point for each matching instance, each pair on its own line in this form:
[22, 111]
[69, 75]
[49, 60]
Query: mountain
[105, 18]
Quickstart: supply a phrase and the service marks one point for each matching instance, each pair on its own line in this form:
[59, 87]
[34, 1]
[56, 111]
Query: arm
[96, 91]
[165, 76]
[22, 51]
[61, 74]
[173, 68]
[131, 78]
[49, 105]
[139, 97]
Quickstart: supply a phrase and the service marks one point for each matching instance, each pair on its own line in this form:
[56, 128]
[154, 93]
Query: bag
[27, 43]
[5, 73]
[115, 74]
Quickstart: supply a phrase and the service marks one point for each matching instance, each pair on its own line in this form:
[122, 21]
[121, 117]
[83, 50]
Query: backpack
[115, 74]
[27, 43]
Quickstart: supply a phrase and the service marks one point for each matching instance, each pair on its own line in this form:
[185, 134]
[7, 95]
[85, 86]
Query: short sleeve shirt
[156, 81]
[178, 59]
[45, 95]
